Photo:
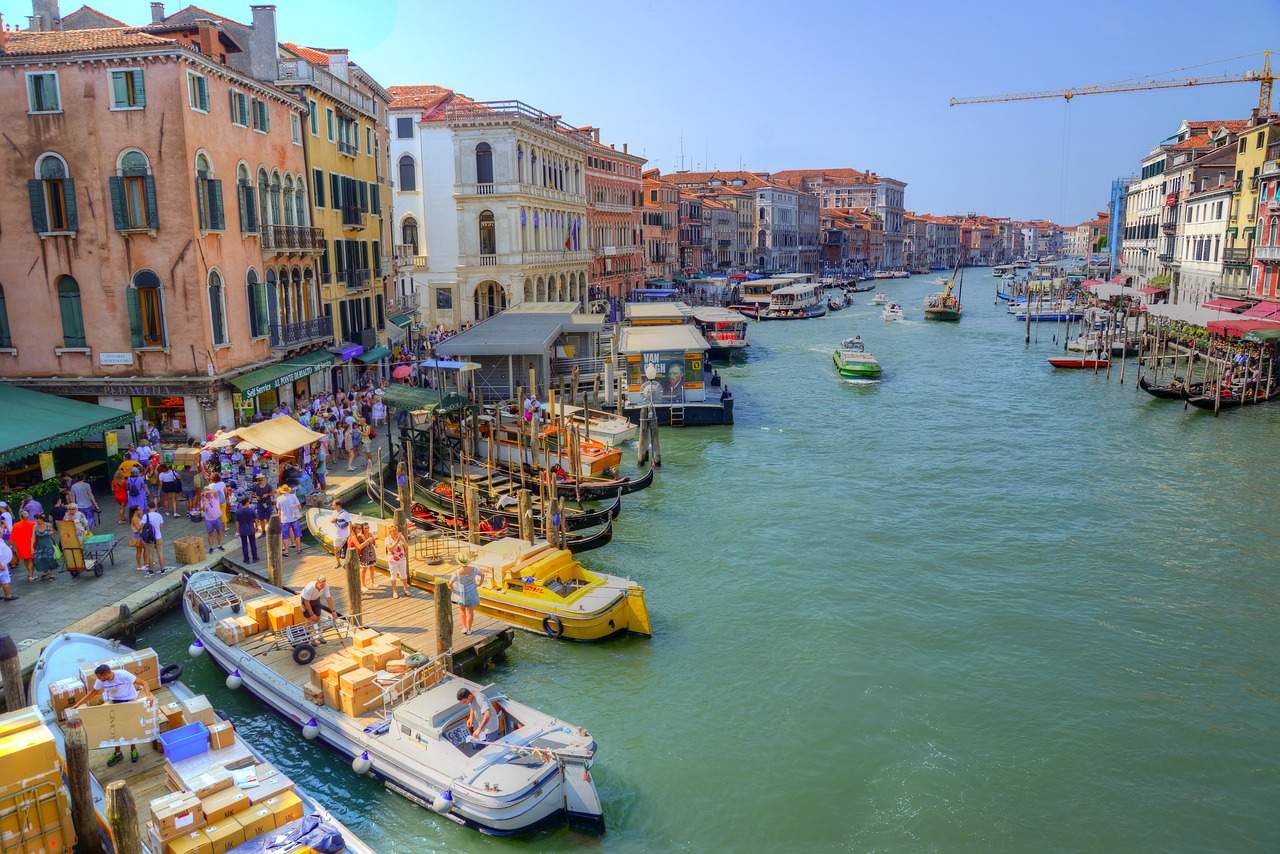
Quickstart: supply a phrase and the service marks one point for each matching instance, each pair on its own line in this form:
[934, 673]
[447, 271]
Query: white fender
[195, 650]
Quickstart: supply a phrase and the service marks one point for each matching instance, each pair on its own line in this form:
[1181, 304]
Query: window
[313, 113]
[488, 236]
[217, 309]
[127, 90]
[72, 314]
[198, 92]
[375, 200]
[239, 108]
[409, 234]
[295, 126]
[42, 92]
[5, 340]
[404, 128]
[318, 182]
[328, 115]
[368, 141]
[146, 311]
[53, 197]
[1259, 142]
[362, 191]
[208, 196]
[408, 175]
[248, 202]
[300, 202]
[133, 194]
[288, 200]
[256, 297]
[276, 217]
[261, 120]
[484, 163]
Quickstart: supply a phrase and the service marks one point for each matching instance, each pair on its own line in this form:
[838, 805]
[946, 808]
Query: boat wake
[850, 381]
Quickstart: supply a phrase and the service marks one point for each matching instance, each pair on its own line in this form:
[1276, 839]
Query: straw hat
[284, 489]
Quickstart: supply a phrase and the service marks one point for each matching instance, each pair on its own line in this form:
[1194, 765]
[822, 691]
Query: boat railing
[415, 681]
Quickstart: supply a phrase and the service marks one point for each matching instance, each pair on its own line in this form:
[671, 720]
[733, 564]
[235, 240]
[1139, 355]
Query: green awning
[1264, 336]
[374, 355]
[271, 377]
[401, 320]
[32, 421]
[413, 399]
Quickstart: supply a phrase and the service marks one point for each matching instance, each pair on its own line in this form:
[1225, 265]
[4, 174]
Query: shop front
[259, 392]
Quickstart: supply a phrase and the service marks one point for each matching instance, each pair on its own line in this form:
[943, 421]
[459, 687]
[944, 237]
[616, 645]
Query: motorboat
[593, 424]
[796, 302]
[63, 663]
[1078, 362]
[892, 312]
[852, 360]
[724, 329]
[944, 306]
[533, 586]
[407, 729]
[880, 299]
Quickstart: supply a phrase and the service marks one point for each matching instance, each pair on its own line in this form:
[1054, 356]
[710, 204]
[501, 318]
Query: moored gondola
[1169, 391]
[590, 488]
[1229, 399]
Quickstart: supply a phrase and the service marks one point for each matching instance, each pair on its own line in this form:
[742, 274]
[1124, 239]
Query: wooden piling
[473, 515]
[15, 693]
[525, 507]
[354, 593]
[122, 818]
[275, 556]
[83, 817]
[444, 620]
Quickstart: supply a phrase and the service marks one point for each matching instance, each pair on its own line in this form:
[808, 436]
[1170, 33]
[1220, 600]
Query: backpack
[134, 490]
[148, 533]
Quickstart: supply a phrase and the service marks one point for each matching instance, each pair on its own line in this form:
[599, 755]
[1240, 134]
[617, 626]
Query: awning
[1225, 304]
[445, 364]
[395, 333]
[1264, 310]
[265, 379]
[32, 421]
[412, 398]
[347, 351]
[1264, 336]
[374, 355]
[401, 319]
[1238, 327]
[277, 435]
[1151, 291]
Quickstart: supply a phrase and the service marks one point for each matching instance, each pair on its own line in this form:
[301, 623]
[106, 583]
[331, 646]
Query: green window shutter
[69, 199]
[153, 212]
[377, 253]
[204, 94]
[337, 256]
[135, 318]
[72, 319]
[139, 89]
[244, 209]
[50, 84]
[216, 222]
[363, 190]
[33, 92]
[235, 107]
[335, 187]
[202, 207]
[39, 216]
[318, 183]
[364, 254]
[260, 299]
[119, 211]
[119, 89]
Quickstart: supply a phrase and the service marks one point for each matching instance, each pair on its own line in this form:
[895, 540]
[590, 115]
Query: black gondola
[1172, 391]
[856, 289]
[1231, 400]
[591, 489]
[440, 494]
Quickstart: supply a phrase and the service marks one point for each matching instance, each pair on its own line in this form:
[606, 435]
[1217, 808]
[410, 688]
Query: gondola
[856, 289]
[591, 489]
[1230, 400]
[1172, 391]
[442, 497]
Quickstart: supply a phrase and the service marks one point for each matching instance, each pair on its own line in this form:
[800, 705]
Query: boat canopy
[658, 339]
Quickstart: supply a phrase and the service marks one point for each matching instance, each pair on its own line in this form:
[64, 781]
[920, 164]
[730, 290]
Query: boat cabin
[658, 314]
[677, 355]
[724, 329]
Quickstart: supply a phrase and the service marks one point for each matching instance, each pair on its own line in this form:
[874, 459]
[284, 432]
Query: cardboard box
[222, 735]
[189, 549]
[194, 842]
[41, 819]
[397, 666]
[390, 640]
[144, 664]
[177, 814]
[174, 714]
[20, 720]
[256, 822]
[280, 617]
[298, 616]
[198, 709]
[224, 804]
[271, 784]
[333, 693]
[230, 631]
[383, 653]
[364, 637]
[353, 679]
[206, 784]
[64, 693]
[186, 457]
[361, 700]
[258, 608]
[118, 724]
[312, 694]
[53, 839]
[224, 836]
[286, 808]
[249, 624]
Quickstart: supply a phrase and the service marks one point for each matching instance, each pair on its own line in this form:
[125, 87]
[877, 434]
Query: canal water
[982, 604]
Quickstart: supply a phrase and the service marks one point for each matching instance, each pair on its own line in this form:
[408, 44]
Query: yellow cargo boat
[533, 586]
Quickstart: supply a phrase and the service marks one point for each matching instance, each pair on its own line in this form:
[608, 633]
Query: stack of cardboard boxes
[35, 814]
[345, 680]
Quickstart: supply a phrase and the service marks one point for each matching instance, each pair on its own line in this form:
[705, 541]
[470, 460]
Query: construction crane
[1263, 76]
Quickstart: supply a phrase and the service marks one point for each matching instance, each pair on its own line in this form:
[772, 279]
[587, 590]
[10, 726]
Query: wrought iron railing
[293, 237]
[301, 332]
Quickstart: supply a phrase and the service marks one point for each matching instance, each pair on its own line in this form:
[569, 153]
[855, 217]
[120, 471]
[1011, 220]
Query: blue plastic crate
[185, 741]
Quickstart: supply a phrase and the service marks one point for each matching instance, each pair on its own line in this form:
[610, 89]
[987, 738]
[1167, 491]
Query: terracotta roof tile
[424, 98]
[26, 43]
[310, 54]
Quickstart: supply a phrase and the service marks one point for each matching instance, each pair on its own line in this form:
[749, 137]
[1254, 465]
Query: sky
[805, 84]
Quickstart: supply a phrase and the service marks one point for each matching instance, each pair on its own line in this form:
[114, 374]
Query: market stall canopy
[1264, 310]
[401, 319]
[1152, 291]
[413, 399]
[1239, 326]
[1225, 304]
[1264, 336]
[271, 377]
[277, 435]
[374, 355]
[1107, 290]
[1192, 314]
[32, 421]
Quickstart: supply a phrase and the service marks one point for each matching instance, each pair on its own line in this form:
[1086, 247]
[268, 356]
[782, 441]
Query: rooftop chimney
[157, 13]
[46, 11]
[338, 63]
[2, 45]
[207, 37]
[596, 133]
[624, 148]
[263, 47]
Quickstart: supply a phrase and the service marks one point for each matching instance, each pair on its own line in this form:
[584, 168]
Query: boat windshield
[854, 344]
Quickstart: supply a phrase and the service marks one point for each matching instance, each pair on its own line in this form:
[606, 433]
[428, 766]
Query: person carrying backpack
[135, 487]
[152, 536]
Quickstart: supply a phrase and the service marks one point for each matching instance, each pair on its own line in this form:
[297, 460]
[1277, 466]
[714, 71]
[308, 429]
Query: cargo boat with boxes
[200, 788]
[394, 712]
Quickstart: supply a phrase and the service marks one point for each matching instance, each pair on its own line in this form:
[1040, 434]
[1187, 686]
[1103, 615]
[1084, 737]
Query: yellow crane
[1262, 76]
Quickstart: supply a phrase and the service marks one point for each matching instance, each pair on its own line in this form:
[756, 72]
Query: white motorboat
[412, 735]
[892, 312]
[880, 299]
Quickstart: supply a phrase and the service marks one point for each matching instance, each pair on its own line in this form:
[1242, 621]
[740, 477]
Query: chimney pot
[157, 13]
[338, 64]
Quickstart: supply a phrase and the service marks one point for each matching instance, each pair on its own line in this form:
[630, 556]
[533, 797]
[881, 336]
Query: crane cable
[1153, 74]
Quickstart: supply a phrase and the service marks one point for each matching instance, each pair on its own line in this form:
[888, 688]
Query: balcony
[1168, 228]
[503, 259]
[403, 304]
[353, 217]
[285, 335]
[355, 280]
[1267, 254]
[292, 71]
[487, 260]
[510, 188]
[388, 267]
[292, 240]
[419, 262]
[610, 207]
[347, 148]
[1164, 257]
[1237, 257]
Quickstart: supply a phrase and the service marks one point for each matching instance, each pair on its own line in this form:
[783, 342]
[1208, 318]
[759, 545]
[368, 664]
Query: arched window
[409, 234]
[53, 196]
[264, 195]
[146, 310]
[273, 298]
[5, 339]
[484, 163]
[72, 313]
[488, 238]
[275, 199]
[133, 193]
[208, 196]
[288, 200]
[408, 175]
[300, 202]
[248, 204]
[217, 309]
[256, 296]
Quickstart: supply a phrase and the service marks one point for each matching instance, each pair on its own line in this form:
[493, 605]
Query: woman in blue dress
[465, 579]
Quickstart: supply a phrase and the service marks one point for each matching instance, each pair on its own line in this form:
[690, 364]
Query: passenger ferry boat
[724, 329]
[1003, 271]
[853, 361]
[797, 302]
[756, 295]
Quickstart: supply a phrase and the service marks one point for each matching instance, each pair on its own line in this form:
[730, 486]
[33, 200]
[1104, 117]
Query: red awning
[1264, 309]
[1236, 328]
[1150, 290]
[1120, 279]
[1225, 304]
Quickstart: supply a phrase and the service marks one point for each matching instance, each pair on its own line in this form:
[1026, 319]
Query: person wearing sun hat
[290, 518]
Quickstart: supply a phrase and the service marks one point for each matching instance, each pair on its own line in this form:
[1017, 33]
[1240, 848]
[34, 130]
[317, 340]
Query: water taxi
[186, 770]
[880, 299]
[395, 713]
[1003, 271]
[796, 302]
[724, 329]
[533, 586]
[892, 313]
[852, 360]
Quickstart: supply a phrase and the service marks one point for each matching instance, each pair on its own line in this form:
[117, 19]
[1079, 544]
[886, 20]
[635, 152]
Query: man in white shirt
[154, 550]
[481, 720]
[312, 606]
[342, 530]
[144, 454]
[116, 686]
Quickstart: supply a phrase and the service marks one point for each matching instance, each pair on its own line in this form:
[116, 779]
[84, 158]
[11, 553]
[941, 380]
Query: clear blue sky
[805, 84]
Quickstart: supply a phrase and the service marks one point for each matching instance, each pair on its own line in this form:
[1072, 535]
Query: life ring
[205, 614]
[170, 673]
[553, 626]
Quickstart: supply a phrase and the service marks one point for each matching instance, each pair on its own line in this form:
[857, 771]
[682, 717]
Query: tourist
[170, 488]
[311, 604]
[116, 686]
[22, 538]
[32, 506]
[219, 489]
[187, 482]
[119, 490]
[246, 527]
[379, 411]
[264, 498]
[6, 558]
[321, 467]
[46, 557]
[152, 536]
[397, 560]
[135, 537]
[481, 720]
[82, 492]
[143, 453]
[211, 507]
[290, 518]
[76, 517]
[136, 487]
[464, 582]
[366, 443]
[341, 532]
[353, 445]
[366, 546]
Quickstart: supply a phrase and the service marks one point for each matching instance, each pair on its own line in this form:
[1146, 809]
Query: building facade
[659, 228]
[1255, 138]
[1266, 254]
[614, 186]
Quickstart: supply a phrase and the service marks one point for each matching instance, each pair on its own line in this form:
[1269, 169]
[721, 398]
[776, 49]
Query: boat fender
[361, 764]
[205, 614]
[311, 729]
[171, 672]
[443, 802]
[552, 625]
[235, 680]
[195, 650]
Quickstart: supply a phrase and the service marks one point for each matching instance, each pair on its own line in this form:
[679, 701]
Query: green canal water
[981, 605]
